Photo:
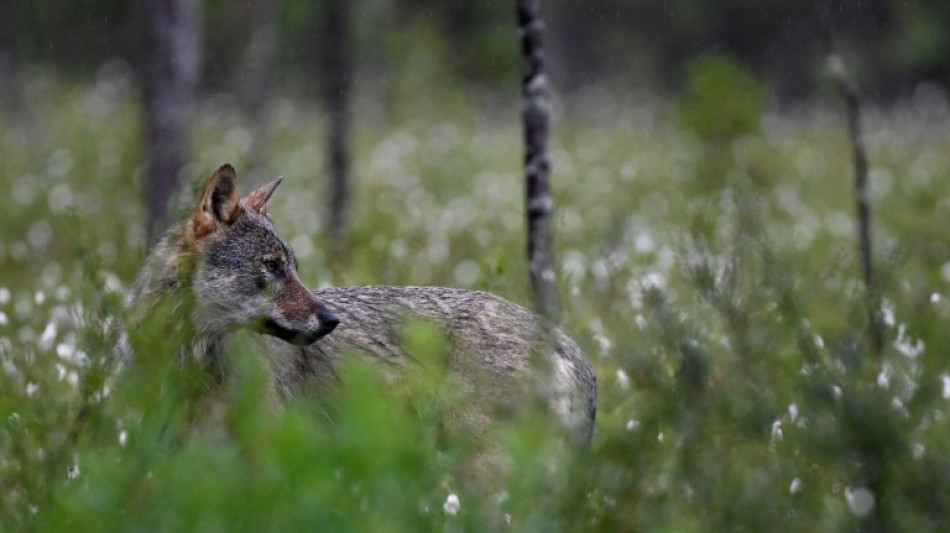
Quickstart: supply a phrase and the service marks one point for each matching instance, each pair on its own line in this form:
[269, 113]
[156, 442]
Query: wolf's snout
[301, 318]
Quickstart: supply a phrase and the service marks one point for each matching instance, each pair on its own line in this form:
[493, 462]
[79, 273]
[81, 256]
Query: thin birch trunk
[257, 76]
[535, 120]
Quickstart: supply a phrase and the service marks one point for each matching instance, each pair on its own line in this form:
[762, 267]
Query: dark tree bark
[9, 67]
[12, 61]
[852, 99]
[172, 57]
[258, 64]
[257, 79]
[338, 72]
[537, 166]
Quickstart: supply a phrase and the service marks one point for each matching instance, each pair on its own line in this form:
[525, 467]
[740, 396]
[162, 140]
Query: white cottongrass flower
[452, 505]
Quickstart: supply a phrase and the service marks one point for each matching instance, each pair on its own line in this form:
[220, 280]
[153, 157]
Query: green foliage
[723, 102]
[922, 41]
[728, 330]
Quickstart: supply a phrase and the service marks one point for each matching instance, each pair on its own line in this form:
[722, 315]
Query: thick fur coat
[238, 273]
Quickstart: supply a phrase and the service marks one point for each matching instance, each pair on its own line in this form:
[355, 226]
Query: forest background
[751, 377]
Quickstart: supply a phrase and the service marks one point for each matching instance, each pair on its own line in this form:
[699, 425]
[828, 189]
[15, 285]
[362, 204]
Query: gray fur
[500, 353]
[241, 275]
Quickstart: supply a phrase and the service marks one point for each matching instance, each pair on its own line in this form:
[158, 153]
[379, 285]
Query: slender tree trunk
[12, 104]
[9, 60]
[258, 63]
[338, 72]
[257, 79]
[852, 100]
[169, 75]
[537, 166]
[870, 474]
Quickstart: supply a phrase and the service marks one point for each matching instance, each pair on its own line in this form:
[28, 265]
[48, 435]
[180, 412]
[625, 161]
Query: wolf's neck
[209, 352]
[166, 269]
[164, 283]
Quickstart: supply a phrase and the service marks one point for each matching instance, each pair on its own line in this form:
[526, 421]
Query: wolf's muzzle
[328, 322]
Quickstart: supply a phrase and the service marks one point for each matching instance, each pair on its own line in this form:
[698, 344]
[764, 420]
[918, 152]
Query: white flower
[452, 505]
[796, 486]
[623, 380]
[860, 500]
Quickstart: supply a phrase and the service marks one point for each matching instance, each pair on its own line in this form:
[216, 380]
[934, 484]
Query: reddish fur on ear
[257, 200]
[218, 204]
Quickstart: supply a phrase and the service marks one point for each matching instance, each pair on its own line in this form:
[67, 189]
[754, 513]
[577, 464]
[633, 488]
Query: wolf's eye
[272, 265]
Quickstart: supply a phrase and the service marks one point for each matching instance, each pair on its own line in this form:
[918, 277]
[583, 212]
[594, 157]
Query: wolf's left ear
[218, 204]
[257, 200]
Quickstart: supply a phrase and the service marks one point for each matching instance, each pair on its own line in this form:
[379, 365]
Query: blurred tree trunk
[14, 36]
[338, 74]
[172, 57]
[9, 92]
[535, 120]
[258, 77]
[852, 100]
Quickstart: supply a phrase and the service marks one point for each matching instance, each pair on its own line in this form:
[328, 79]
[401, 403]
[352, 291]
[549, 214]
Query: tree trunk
[535, 120]
[257, 80]
[852, 100]
[169, 75]
[338, 72]
[9, 61]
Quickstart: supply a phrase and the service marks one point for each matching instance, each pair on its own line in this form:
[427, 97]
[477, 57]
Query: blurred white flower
[796, 486]
[623, 380]
[860, 500]
[777, 434]
[452, 505]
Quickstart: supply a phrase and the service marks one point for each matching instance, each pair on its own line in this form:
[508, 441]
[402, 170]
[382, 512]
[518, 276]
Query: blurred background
[379, 62]
[751, 378]
[630, 43]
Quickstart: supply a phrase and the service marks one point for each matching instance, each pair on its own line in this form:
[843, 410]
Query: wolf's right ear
[257, 200]
[218, 205]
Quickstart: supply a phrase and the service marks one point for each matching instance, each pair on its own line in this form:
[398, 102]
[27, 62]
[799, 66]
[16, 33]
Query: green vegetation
[727, 324]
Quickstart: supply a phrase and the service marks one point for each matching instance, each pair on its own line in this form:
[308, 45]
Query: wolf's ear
[257, 200]
[218, 203]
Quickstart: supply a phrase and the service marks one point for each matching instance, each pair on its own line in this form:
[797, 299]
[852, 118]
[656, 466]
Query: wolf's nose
[329, 320]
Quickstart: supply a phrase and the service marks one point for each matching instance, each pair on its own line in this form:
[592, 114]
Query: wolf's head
[244, 274]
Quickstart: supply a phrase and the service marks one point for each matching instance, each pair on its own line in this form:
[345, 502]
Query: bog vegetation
[708, 267]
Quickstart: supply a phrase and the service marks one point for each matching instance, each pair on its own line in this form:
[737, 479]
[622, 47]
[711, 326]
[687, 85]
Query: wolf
[240, 275]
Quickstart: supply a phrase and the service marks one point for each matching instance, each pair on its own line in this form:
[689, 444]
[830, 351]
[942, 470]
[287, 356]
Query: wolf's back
[501, 352]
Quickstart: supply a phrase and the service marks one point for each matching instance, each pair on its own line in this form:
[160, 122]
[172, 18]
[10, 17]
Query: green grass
[715, 288]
